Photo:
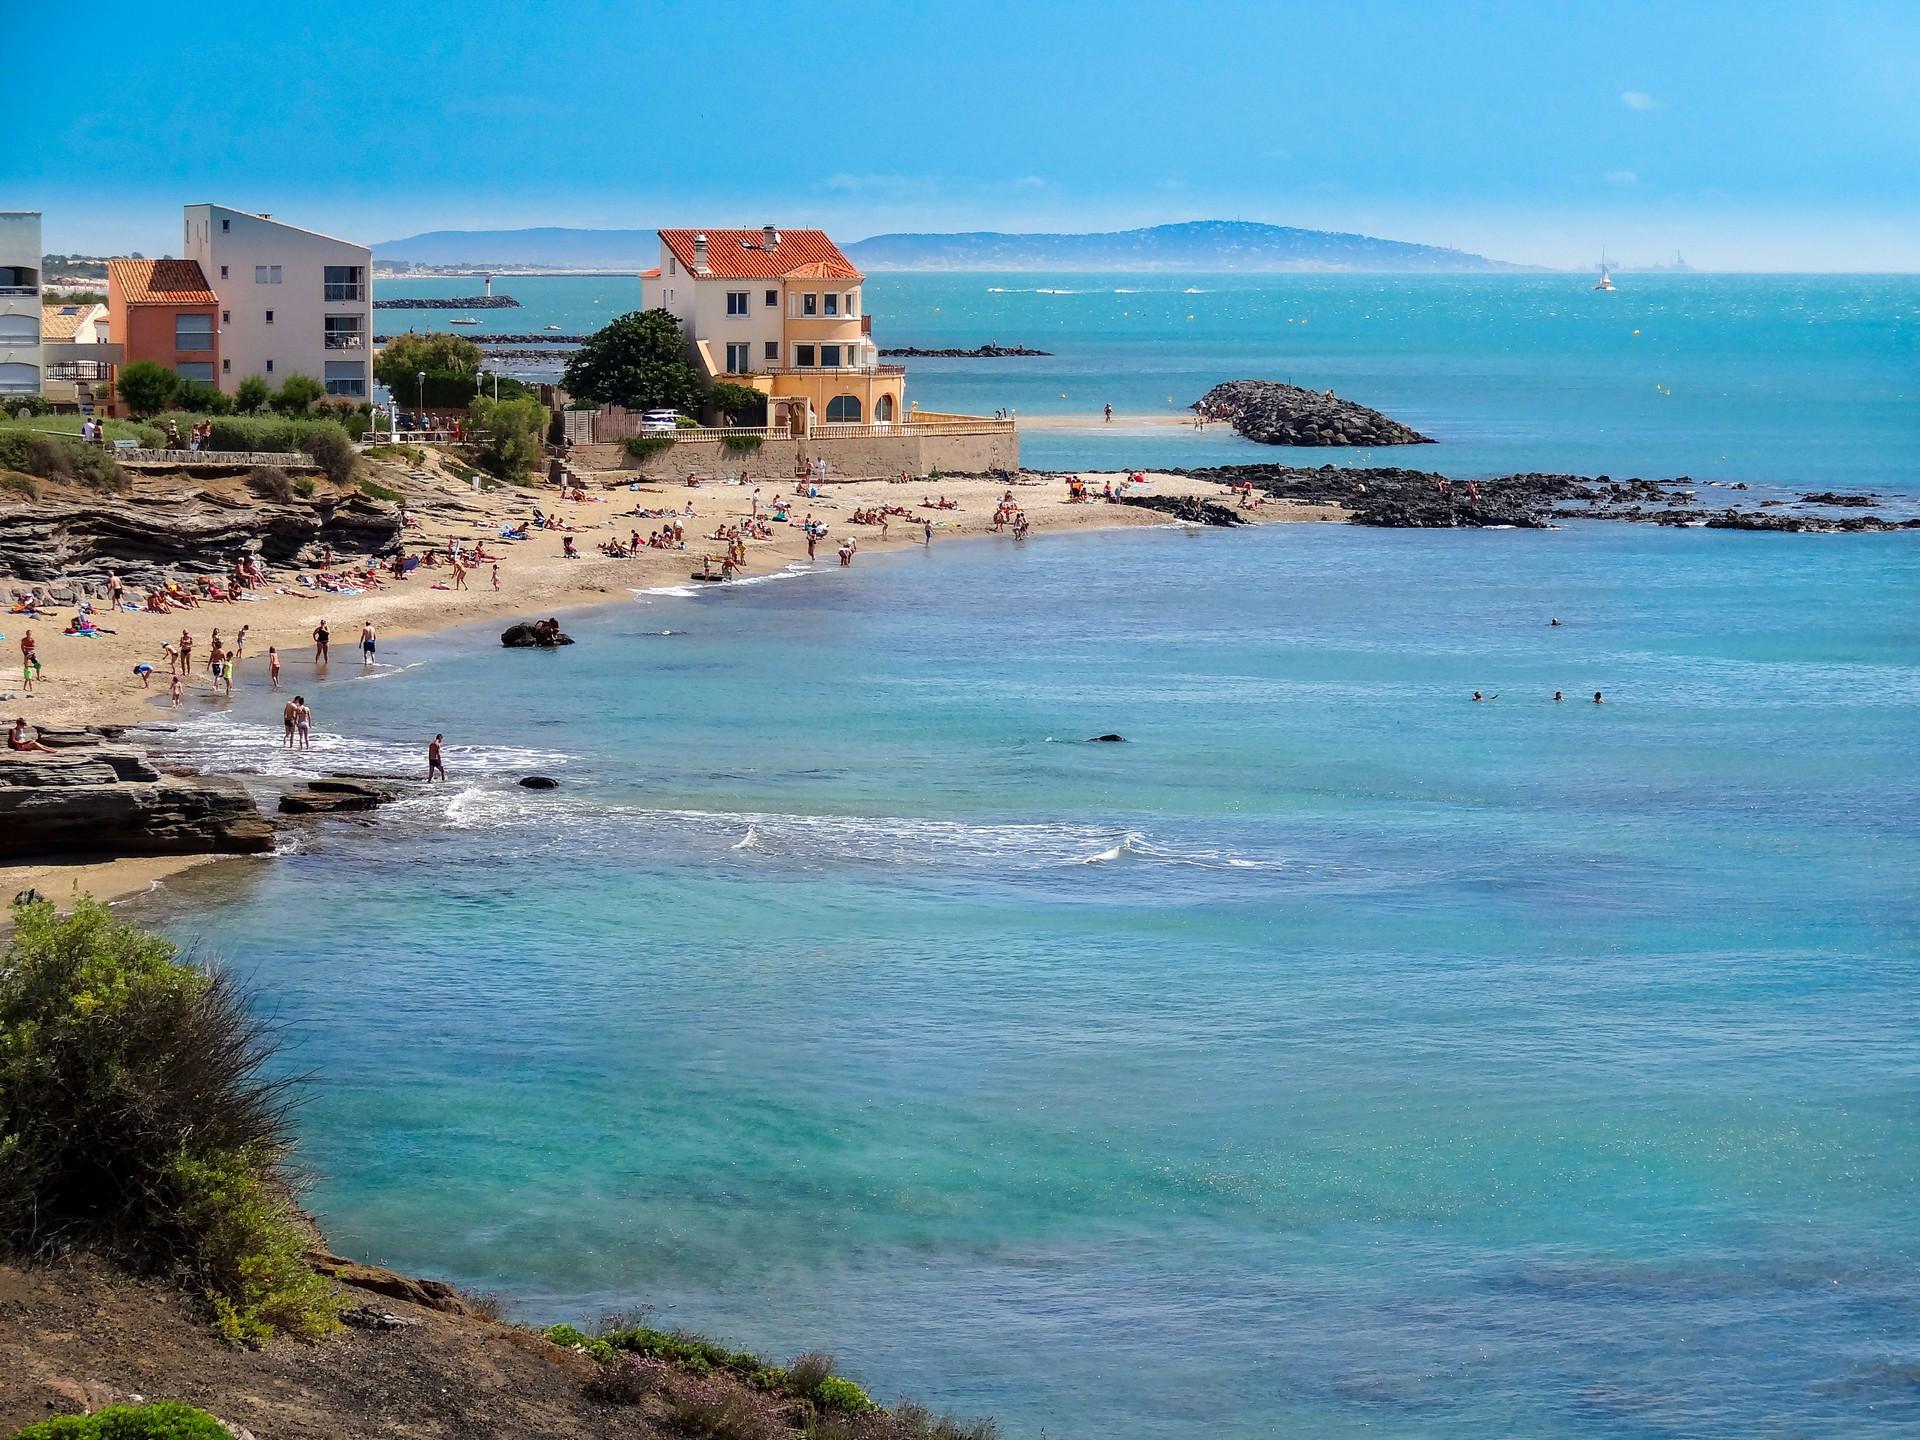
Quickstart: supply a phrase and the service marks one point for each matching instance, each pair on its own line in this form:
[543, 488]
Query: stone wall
[846, 457]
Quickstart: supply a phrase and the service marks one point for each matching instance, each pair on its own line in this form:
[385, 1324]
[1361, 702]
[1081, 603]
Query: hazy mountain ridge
[1191, 245]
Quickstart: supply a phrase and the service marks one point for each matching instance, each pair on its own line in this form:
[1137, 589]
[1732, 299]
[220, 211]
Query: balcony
[346, 340]
[343, 292]
[19, 290]
[830, 370]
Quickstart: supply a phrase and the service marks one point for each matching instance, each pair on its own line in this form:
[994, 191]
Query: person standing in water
[303, 721]
[289, 717]
[434, 768]
[368, 642]
[273, 665]
[1109, 414]
[321, 638]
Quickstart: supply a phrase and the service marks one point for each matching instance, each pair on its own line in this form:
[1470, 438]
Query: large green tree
[297, 394]
[405, 356]
[639, 361]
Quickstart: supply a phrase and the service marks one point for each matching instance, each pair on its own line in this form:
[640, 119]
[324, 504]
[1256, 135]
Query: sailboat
[1605, 282]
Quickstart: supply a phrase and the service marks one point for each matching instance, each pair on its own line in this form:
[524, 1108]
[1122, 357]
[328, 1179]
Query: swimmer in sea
[1558, 697]
[1596, 698]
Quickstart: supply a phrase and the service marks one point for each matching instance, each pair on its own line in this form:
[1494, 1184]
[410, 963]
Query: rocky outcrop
[428, 1294]
[981, 352]
[1276, 414]
[1827, 497]
[108, 802]
[534, 634]
[538, 782]
[339, 794]
[1190, 508]
[159, 530]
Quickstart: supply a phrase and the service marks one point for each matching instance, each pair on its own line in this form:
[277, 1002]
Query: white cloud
[1621, 177]
[1638, 100]
[1032, 182]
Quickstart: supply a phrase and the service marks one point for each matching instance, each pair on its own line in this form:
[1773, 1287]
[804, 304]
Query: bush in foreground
[137, 1117]
[165, 1421]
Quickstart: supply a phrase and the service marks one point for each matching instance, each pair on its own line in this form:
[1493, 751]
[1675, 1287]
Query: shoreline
[89, 681]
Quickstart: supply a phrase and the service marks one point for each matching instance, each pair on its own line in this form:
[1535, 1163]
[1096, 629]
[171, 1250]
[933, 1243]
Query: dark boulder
[532, 635]
[539, 782]
[338, 794]
[1107, 740]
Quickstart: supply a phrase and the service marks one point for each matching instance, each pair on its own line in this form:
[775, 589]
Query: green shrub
[374, 490]
[510, 431]
[136, 1115]
[327, 442]
[202, 398]
[640, 447]
[574, 1339]
[304, 487]
[297, 393]
[250, 396]
[164, 1421]
[15, 483]
[56, 457]
[30, 406]
[836, 1392]
[146, 387]
[742, 444]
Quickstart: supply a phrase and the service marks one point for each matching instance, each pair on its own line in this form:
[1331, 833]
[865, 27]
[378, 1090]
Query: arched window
[843, 409]
[18, 378]
[883, 410]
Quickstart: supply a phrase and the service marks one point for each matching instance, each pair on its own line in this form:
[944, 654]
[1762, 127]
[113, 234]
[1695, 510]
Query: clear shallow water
[1338, 1056]
[1789, 379]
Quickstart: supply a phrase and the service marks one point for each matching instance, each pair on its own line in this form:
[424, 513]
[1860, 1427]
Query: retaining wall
[850, 457]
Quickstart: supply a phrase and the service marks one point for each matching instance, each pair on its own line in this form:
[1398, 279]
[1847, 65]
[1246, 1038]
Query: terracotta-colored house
[164, 311]
[780, 310]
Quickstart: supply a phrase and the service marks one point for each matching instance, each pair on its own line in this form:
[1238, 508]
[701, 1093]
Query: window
[736, 302]
[226, 367]
[844, 409]
[343, 283]
[269, 367]
[883, 408]
[195, 370]
[343, 332]
[225, 225]
[809, 304]
[193, 332]
[833, 303]
[223, 272]
[773, 299]
[226, 317]
[803, 355]
[269, 317]
[264, 274]
[830, 356]
[773, 352]
[346, 377]
[853, 302]
[739, 357]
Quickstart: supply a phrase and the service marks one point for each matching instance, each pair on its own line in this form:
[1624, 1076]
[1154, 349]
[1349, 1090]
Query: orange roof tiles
[741, 255]
[58, 320]
[160, 282]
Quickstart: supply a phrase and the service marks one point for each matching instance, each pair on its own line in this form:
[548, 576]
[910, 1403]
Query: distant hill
[546, 247]
[1192, 245]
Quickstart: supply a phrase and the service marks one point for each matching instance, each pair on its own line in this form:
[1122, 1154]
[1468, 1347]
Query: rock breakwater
[1277, 414]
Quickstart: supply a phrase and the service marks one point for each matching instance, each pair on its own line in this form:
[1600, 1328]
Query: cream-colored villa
[780, 310]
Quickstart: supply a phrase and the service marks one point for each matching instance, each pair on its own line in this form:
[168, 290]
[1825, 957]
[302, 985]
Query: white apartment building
[292, 301]
[20, 259]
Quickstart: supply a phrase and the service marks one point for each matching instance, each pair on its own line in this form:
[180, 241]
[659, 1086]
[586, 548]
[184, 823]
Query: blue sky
[1783, 136]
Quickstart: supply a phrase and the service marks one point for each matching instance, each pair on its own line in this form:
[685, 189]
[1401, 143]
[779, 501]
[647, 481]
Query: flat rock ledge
[92, 798]
[339, 794]
[1276, 414]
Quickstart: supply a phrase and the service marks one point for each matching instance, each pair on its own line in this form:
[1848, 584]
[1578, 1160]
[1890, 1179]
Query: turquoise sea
[1336, 1057]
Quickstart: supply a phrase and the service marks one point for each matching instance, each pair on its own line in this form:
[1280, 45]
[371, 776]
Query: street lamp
[422, 378]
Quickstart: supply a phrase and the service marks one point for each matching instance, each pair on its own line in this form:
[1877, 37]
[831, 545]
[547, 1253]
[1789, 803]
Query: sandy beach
[92, 682]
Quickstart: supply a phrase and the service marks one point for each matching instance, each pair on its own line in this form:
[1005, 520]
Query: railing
[708, 433]
[959, 425]
[345, 340]
[19, 289]
[830, 370]
[77, 370]
[337, 291]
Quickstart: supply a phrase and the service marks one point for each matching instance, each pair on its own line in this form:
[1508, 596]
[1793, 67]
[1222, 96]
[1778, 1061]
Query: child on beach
[273, 665]
[173, 688]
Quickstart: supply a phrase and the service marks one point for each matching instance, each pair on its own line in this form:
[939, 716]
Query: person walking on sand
[434, 767]
[459, 574]
[173, 689]
[1109, 413]
[29, 657]
[368, 643]
[273, 666]
[496, 578]
[113, 591]
[926, 532]
[240, 643]
[321, 637]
